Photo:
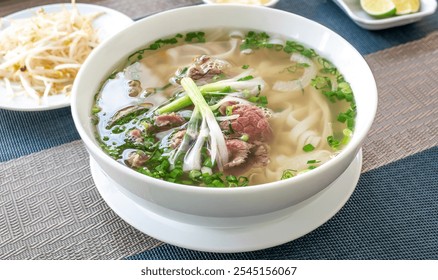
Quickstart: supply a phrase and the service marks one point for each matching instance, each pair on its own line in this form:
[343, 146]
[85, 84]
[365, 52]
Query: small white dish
[248, 233]
[269, 3]
[107, 25]
[353, 9]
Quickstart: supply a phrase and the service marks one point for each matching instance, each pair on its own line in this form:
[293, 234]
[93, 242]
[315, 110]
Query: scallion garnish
[246, 78]
[288, 173]
[195, 36]
[95, 109]
[308, 148]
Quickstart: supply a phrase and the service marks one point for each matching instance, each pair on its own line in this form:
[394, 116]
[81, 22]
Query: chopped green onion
[218, 77]
[320, 82]
[118, 129]
[227, 89]
[244, 137]
[303, 65]
[217, 183]
[255, 40]
[246, 78]
[194, 174]
[96, 109]
[288, 173]
[261, 101]
[176, 173]
[208, 163]
[246, 66]
[232, 181]
[347, 136]
[198, 36]
[333, 143]
[313, 161]
[242, 181]
[308, 148]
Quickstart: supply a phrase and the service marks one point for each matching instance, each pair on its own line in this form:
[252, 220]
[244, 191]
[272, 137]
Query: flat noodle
[234, 43]
[326, 116]
[308, 123]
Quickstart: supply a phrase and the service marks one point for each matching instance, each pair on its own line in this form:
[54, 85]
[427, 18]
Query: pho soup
[224, 108]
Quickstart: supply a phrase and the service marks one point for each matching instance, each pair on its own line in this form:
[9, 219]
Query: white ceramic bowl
[175, 200]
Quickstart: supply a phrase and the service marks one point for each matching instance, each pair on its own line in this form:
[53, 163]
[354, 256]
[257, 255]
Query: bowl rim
[352, 147]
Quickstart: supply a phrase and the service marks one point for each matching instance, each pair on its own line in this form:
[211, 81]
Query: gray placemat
[407, 116]
[50, 208]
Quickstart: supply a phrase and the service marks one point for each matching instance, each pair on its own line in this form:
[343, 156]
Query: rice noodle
[43, 54]
[303, 81]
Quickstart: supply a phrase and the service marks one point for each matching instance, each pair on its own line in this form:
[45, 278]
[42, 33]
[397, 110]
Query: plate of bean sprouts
[43, 48]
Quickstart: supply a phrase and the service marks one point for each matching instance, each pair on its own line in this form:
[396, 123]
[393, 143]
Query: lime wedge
[378, 8]
[415, 5]
[404, 7]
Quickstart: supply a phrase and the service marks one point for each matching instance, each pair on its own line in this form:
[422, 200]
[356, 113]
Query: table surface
[50, 208]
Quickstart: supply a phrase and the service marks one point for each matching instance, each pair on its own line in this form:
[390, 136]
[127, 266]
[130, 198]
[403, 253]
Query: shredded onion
[43, 53]
[226, 118]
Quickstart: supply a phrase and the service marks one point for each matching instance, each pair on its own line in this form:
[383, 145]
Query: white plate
[285, 225]
[107, 25]
[354, 11]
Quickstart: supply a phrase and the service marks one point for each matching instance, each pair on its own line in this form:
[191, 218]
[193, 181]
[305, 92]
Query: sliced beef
[251, 122]
[238, 152]
[135, 135]
[137, 159]
[260, 154]
[244, 155]
[170, 119]
[203, 69]
[177, 138]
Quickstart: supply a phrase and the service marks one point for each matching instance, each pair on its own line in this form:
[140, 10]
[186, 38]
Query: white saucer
[108, 24]
[294, 222]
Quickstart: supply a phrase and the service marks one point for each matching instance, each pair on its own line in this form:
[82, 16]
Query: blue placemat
[395, 205]
[23, 133]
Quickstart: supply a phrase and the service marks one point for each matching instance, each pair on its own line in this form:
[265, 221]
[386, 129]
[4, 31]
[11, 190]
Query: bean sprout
[43, 54]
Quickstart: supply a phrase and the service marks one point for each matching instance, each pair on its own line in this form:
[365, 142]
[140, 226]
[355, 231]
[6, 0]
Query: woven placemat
[407, 116]
[50, 208]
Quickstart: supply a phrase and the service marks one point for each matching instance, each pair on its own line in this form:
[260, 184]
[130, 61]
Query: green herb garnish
[246, 78]
[254, 41]
[195, 37]
[288, 173]
[308, 148]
